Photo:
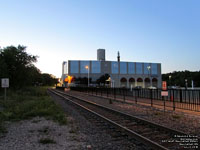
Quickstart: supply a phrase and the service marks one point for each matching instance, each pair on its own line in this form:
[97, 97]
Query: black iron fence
[177, 98]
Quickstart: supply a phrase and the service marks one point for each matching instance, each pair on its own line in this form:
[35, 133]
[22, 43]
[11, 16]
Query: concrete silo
[101, 54]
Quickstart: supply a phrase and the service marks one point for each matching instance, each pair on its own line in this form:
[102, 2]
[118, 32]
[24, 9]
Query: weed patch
[2, 129]
[28, 103]
[176, 116]
[74, 129]
[44, 130]
[46, 141]
[157, 113]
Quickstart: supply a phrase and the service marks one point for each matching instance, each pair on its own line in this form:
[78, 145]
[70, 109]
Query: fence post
[157, 93]
[163, 98]
[5, 94]
[189, 96]
[180, 95]
[110, 99]
[193, 99]
[107, 91]
[124, 94]
[173, 101]
[114, 93]
[132, 93]
[136, 95]
[151, 98]
[199, 98]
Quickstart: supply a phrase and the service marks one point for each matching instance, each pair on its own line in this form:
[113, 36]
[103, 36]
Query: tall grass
[28, 103]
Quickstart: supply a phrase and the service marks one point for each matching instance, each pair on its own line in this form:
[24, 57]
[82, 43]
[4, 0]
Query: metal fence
[177, 98]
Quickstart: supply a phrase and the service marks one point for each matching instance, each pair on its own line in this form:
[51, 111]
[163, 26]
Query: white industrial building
[122, 73]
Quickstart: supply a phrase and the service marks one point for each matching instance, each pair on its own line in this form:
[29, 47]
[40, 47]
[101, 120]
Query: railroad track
[153, 135]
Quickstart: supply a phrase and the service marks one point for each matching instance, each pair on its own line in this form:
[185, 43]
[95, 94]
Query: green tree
[48, 79]
[3, 68]
[103, 79]
[82, 81]
[178, 78]
[16, 65]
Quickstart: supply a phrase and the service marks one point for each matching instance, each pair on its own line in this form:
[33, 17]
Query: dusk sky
[160, 31]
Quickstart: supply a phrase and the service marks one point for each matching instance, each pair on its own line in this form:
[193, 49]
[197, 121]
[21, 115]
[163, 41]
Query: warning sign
[164, 93]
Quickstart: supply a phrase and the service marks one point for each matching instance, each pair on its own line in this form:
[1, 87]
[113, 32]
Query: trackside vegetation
[17, 65]
[27, 103]
[178, 78]
[26, 98]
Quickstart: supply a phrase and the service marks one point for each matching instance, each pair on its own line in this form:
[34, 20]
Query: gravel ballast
[189, 124]
[95, 136]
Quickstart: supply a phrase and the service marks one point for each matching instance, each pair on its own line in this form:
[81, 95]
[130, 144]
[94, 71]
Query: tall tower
[118, 57]
[101, 55]
[64, 67]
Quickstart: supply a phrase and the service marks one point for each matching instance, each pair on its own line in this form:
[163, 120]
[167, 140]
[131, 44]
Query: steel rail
[137, 136]
[130, 116]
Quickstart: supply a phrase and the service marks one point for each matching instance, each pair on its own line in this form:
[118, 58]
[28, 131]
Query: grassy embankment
[28, 103]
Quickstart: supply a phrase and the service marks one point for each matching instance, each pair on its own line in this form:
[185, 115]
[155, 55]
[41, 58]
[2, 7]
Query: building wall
[117, 71]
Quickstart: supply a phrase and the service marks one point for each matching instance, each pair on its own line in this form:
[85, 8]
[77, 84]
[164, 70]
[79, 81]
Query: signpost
[5, 84]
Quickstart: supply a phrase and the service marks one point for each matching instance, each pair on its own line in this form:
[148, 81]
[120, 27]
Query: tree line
[17, 65]
[181, 78]
[84, 80]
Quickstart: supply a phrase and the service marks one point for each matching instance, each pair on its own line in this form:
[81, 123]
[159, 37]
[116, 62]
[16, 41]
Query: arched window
[155, 82]
[131, 80]
[140, 82]
[123, 82]
[147, 82]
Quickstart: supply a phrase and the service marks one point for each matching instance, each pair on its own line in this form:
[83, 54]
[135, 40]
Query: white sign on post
[4, 82]
[164, 93]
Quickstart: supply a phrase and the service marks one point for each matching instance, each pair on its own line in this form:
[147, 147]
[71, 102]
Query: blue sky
[163, 31]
